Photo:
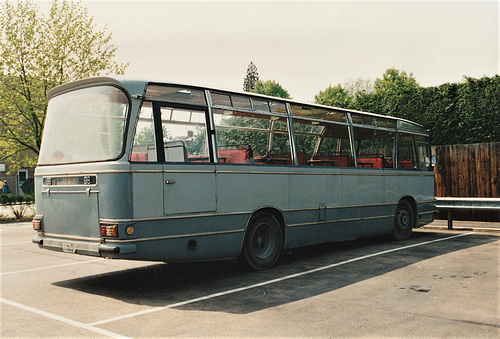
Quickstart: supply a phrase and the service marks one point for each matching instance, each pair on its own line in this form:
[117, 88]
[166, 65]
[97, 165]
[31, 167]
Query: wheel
[404, 221]
[262, 243]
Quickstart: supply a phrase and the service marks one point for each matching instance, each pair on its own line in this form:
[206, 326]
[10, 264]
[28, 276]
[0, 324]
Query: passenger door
[188, 188]
[188, 169]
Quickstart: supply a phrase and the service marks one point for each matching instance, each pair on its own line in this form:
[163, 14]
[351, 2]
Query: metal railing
[471, 204]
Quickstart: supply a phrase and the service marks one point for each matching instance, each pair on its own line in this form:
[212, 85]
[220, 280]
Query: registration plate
[69, 247]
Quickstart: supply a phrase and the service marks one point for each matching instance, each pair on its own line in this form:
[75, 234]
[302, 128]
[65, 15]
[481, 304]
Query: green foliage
[272, 88]
[13, 199]
[251, 77]
[335, 96]
[479, 105]
[146, 135]
[393, 92]
[38, 53]
[438, 112]
[467, 112]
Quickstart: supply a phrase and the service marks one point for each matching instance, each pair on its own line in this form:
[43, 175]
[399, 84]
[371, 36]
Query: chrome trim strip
[189, 171]
[172, 217]
[49, 191]
[341, 220]
[412, 174]
[131, 220]
[427, 201]
[112, 241]
[324, 173]
[339, 207]
[422, 213]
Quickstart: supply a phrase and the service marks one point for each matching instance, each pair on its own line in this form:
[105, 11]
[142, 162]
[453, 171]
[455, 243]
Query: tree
[335, 96]
[466, 112]
[38, 53]
[394, 91]
[251, 77]
[480, 107]
[358, 87]
[272, 88]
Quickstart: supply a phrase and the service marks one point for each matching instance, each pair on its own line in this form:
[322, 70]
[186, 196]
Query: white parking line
[456, 228]
[62, 319]
[240, 289]
[50, 267]
[17, 243]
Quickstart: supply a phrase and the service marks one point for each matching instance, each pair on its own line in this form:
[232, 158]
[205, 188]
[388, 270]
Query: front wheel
[262, 243]
[404, 221]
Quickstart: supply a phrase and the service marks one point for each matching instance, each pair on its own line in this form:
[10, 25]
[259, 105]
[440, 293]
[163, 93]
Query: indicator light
[130, 230]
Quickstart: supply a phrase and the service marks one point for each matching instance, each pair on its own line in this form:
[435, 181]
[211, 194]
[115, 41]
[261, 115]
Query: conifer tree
[251, 77]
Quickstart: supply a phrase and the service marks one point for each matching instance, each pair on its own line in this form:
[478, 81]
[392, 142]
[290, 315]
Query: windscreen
[84, 125]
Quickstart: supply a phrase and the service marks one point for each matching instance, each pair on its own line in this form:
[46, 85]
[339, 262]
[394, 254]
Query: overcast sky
[304, 45]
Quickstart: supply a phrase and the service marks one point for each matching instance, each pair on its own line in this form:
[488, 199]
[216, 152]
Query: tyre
[404, 221]
[262, 243]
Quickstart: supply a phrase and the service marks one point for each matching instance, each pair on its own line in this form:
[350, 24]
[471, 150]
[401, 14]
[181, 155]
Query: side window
[423, 151]
[334, 147]
[307, 136]
[374, 148]
[406, 152]
[144, 148]
[184, 135]
[252, 138]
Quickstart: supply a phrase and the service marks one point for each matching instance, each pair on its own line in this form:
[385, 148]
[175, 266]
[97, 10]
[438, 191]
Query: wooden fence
[469, 171]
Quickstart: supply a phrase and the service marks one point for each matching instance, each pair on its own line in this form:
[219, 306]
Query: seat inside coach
[176, 152]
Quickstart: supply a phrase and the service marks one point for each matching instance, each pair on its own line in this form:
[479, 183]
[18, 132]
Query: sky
[304, 45]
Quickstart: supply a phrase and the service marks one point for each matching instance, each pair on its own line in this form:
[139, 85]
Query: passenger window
[258, 139]
[144, 148]
[334, 147]
[424, 156]
[307, 135]
[374, 148]
[406, 152]
[184, 135]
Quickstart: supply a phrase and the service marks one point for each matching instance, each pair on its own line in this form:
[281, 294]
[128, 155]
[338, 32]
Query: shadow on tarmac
[166, 284]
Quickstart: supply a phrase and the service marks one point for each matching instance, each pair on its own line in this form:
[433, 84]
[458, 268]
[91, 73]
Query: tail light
[109, 231]
[37, 224]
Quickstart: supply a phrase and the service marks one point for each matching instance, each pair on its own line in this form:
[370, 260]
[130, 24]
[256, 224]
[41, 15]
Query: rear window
[85, 125]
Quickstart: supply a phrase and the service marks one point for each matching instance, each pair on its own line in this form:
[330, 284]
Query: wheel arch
[277, 214]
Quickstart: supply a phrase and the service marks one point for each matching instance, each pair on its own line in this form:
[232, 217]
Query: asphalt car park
[439, 283]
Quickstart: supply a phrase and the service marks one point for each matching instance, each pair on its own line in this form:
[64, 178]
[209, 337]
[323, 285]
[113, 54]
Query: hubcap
[403, 219]
[262, 241]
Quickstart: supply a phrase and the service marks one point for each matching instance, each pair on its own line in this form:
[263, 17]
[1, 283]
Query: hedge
[13, 199]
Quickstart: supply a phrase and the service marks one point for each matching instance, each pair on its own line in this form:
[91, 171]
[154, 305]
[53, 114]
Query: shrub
[19, 204]
[12, 199]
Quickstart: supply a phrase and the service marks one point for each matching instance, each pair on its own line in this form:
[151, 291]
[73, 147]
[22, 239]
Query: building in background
[20, 181]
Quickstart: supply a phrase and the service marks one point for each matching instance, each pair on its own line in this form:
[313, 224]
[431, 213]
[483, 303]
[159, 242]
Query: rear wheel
[262, 243]
[404, 221]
